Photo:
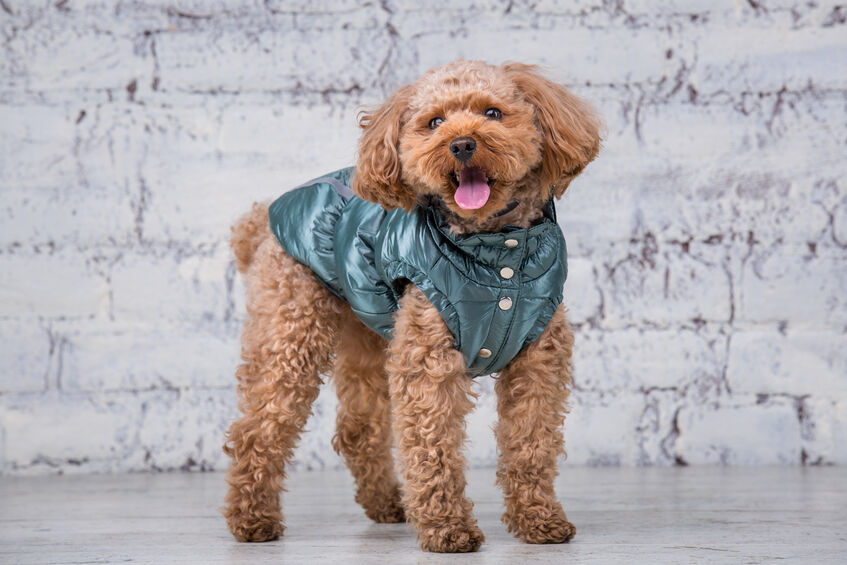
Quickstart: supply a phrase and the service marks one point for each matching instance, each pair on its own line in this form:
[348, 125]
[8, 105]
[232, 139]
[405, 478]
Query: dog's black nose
[462, 148]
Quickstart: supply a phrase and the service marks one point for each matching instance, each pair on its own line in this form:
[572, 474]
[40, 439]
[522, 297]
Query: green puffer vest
[495, 291]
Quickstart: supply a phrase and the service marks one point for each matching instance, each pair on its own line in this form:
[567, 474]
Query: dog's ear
[569, 126]
[378, 171]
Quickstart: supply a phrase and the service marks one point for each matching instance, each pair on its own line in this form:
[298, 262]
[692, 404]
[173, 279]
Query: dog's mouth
[473, 188]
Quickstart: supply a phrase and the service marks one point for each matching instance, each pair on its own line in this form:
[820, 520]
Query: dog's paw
[554, 530]
[451, 538]
[256, 530]
[388, 513]
[545, 528]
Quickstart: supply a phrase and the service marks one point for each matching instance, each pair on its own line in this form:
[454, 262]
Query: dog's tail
[248, 233]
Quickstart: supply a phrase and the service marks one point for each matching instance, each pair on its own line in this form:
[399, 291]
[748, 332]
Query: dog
[435, 260]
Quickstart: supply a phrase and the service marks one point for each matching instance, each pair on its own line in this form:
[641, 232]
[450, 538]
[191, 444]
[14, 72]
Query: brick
[310, 6]
[600, 431]
[47, 215]
[177, 284]
[35, 143]
[288, 132]
[598, 209]
[665, 283]
[733, 200]
[575, 59]
[613, 361]
[52, 284]
[736, 187]
[568, 8]
[656, 432]
[155, 355]
[822, 428]
[183, 430]
[73, 179]
[736, 203]
[220, 166]
[710, 130]
[671, 7]
[788, 14]
[765, 59]
[740, 434]
[839, 433]
[799, 363]
[839, 224]
[790, 283]
[339, 58]
[73, 50]
[54, 433]
[25, 356]
[581, 297]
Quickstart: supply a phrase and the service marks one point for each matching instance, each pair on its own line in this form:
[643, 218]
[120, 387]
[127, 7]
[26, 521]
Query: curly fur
[413, 390]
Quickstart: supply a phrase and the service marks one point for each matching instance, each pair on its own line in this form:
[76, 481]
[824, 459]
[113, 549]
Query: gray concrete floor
[680, 515]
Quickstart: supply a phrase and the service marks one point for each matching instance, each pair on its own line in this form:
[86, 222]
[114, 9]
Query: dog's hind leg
[431, 395]
[363, 434]
[288, 339]
[531, 403]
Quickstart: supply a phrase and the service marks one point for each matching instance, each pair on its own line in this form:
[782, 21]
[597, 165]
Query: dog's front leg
[531, 403]
[430, 396]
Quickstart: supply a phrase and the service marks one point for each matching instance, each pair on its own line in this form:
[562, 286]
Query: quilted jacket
[495, 291]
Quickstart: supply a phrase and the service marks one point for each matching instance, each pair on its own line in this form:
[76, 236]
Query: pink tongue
[473, 191]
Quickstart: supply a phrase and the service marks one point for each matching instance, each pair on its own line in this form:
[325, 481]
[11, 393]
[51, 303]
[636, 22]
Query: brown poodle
[487, 147]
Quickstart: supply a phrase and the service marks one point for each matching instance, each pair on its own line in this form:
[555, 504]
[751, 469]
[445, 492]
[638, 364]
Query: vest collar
[495, 250]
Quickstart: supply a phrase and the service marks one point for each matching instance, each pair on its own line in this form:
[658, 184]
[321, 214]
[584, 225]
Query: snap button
[505, 303]
[507, 273]
[485, 353]
[511, 243]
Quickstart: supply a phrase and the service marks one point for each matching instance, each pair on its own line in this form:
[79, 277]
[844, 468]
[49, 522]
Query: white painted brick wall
[708, 243]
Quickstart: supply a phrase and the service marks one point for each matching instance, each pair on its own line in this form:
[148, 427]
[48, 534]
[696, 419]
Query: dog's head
[489, 142]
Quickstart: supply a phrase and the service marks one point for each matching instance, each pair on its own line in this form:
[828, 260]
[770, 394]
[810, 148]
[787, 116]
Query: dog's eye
[494, 114]
[435, 122]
